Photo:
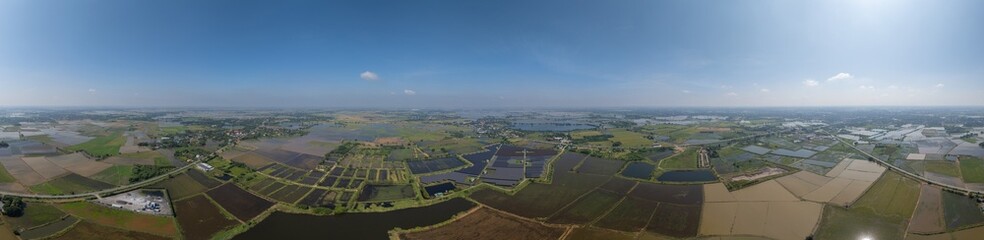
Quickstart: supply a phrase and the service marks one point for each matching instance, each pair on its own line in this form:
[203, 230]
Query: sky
[472, 54]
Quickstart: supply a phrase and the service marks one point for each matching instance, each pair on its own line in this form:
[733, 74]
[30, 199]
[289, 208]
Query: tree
[12, 206]
[4, 144]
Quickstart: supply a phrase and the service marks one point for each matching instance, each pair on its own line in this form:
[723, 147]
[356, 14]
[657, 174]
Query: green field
[69, 184]
[685, 160]
[881, 213]
[629, 139]
[584, 133]
[942, 167]
[116, 175]
[972, 169]
[5, 176]
[102, 146]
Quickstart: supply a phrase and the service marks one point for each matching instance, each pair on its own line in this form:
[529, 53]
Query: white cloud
[686, 91]
[369, 76]
[866, 87]
[939, 85]
[810, 83]
[731, 94]
[840, 76]
[893, 87]
[765, 90]
[92, 90]
[409, 92]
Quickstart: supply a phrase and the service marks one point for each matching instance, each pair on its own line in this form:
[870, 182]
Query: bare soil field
[850, 193]
[253, 160]
[768, 191]
[486, 224]
[13, 187]
[839, 168]
[803, 182]
[928, 217]
[828, 191]
[777, 220]
[79, 164]
[750, 218]
[718, 218]
[717, 192]
[792, 220]
[42, 166]
[21, 171]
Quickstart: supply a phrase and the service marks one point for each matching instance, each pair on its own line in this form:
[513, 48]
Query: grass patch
[116, 175]
[629, 138]
[102, 146]
[5, 176]
[972, 169]
[685, 160]
[942, 167]
[69, 184]
[35, 214]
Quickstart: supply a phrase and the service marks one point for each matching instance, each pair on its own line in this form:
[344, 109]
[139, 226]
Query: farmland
[163, 226]
[495, 225]
[88, 230]
[684, 160]
[199, 218]
[101, 146]
[881, 212]
[588, 208]
[238, 202]
[972, 169]
[181, 186]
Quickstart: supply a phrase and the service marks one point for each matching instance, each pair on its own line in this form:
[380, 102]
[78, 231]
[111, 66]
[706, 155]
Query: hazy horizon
[503, 54]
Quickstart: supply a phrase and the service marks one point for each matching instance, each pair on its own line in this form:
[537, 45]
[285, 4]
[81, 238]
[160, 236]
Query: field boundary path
[907, 173]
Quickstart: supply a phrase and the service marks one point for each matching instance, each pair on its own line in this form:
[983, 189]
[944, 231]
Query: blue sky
[491, 53]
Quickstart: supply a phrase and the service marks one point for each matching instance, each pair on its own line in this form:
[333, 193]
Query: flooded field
[280, 225]
[687, 176]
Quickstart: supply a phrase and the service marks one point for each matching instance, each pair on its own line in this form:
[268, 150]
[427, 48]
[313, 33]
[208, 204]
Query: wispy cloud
[765, 90]
[686, 91]
[866, 87]
[409, 92]
[369, 76]
[840, 77]
[731, 94]
[939, 85]
[810, 83]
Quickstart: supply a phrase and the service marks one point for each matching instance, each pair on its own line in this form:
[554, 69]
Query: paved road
[907, 173]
